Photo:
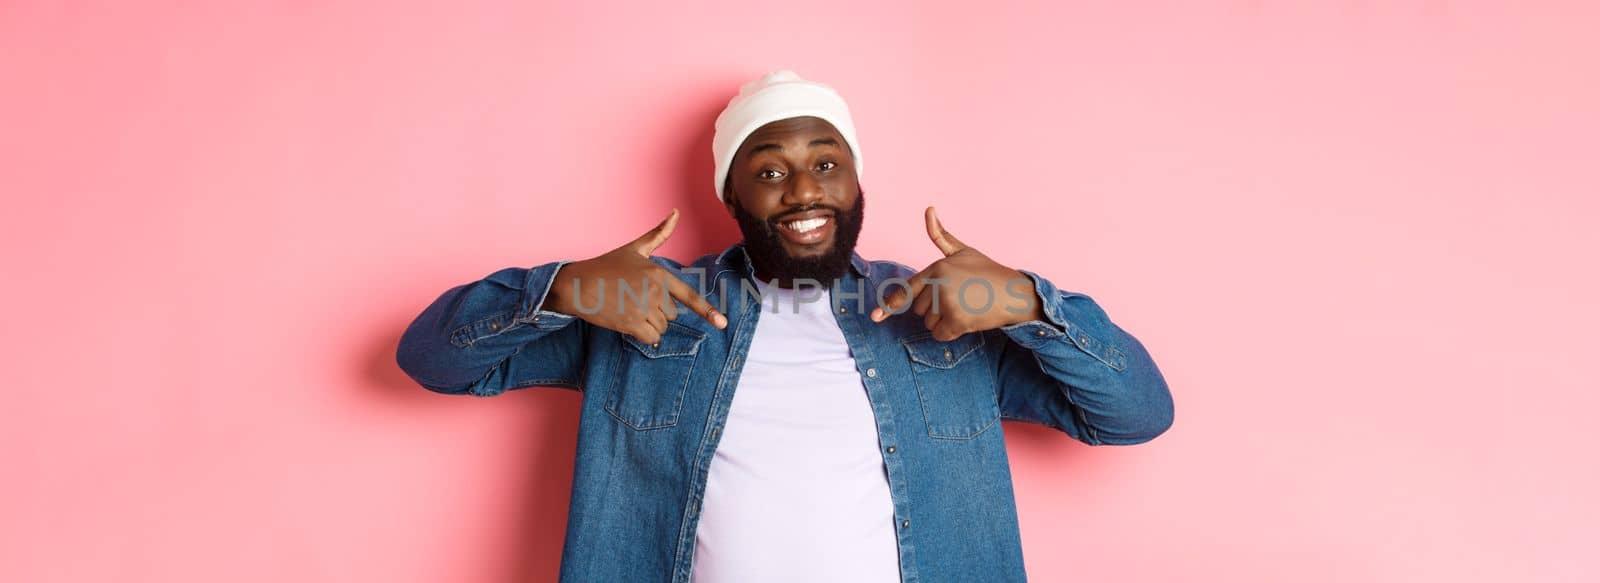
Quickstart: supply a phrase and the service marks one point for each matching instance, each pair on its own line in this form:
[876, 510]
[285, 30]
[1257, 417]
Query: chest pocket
[650, 380]
[955, 384]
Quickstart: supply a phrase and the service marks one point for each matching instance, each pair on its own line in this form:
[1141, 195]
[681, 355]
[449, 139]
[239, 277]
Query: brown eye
[769, 174]
[826, 166]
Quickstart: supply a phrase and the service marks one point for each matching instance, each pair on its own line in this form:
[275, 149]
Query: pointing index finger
[694, 301]
[900, 299]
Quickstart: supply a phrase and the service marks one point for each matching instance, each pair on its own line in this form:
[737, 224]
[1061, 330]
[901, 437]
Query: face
[792, 187]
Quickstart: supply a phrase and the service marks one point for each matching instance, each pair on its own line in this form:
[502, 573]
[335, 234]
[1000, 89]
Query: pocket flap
[679, 340]
[925, 349]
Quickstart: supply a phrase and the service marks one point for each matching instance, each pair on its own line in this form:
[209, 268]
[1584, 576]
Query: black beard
[765, 246]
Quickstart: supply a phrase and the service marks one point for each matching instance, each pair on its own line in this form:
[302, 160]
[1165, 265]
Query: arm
[492, 335]
[1080, 373]
[1062, 363]
[524, 327]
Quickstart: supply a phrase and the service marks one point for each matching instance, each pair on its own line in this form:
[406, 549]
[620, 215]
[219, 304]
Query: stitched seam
[966, 438]
[652, 353]
[468, 337]
[545, 383]
[918, 338]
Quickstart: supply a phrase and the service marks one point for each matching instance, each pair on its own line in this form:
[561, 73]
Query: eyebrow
[777, 146]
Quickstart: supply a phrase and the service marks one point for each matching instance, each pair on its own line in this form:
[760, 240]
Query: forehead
[795, 130]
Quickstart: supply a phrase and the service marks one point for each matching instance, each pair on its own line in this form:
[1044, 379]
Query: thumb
[648, 242]
[947, 243]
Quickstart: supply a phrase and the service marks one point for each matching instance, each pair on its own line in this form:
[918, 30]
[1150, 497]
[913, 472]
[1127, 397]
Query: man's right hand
[645, 319]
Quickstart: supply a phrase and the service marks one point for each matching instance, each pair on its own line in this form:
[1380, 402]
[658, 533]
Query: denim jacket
[651, 413]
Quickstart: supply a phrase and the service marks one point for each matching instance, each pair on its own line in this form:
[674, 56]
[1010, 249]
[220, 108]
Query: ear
[728, 198]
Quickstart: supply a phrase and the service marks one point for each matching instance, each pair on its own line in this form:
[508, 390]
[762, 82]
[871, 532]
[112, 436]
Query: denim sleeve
[1080, 373]
[486, 337]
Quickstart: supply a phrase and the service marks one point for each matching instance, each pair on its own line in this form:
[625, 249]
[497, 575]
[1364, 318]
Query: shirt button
[947, 355]
[535, 319]
[872, 372]
[891, 449]
[1040, 332]
[494, 325]
[905, 524]
[841, 309]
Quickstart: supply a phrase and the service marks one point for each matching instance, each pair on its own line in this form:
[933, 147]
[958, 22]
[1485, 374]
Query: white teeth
[804, 225]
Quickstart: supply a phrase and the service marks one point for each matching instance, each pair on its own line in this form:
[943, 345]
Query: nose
[804, 189]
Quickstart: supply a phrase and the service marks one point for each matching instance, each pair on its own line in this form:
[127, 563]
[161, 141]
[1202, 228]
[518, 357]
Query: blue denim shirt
[651, 414]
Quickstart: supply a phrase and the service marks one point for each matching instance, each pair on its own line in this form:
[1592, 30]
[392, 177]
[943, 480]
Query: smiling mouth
[805, 225]
[809, 228]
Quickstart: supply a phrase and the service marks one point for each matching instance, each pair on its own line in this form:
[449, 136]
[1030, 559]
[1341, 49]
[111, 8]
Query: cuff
[534, 292]
[1070, 317]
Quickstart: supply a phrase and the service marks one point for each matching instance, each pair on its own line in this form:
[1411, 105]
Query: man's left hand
[966, 291]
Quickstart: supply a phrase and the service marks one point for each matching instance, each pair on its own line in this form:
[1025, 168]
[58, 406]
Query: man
[806, 415]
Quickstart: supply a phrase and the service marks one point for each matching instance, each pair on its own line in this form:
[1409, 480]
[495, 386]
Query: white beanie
[775, 96]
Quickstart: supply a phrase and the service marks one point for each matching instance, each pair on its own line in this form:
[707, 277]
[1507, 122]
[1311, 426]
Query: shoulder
[882, 269]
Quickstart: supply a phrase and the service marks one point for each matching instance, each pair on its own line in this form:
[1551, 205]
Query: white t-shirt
[797, 490]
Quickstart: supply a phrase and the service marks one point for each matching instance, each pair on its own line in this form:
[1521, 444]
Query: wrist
[1028, 305]
[555, 300]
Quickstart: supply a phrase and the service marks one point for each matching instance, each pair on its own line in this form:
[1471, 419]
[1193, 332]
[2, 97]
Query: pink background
[1358, 237]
